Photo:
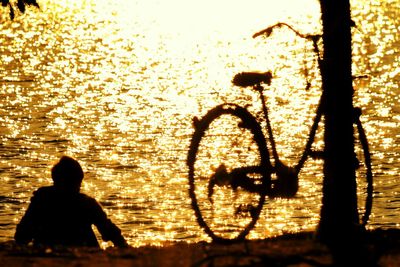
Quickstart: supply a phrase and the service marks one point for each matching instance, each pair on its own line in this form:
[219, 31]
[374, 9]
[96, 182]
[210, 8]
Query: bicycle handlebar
[268, 32]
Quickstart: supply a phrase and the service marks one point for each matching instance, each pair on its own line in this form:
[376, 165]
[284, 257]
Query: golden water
[117, 85]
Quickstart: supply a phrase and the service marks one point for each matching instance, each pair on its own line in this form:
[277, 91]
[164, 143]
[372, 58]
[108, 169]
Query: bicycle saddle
[245, 79]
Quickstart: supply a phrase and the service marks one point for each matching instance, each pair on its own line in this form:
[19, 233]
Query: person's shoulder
[87, 199]
[45, 190]
[45, 193]
[90, 204]
[85, 196]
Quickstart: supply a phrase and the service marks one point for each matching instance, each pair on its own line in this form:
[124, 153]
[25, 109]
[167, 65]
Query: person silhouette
[59, 215]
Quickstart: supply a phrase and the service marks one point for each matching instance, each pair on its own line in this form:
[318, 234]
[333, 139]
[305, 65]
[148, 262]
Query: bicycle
[265, 175]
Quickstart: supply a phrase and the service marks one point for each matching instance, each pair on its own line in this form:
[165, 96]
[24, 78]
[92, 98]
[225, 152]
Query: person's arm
[108, 230]
[25, 229]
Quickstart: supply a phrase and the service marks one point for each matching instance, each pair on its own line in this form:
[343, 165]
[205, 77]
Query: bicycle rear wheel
[229, 172]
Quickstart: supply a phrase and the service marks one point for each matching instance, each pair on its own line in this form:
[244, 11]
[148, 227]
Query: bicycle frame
[287, 182]
[284, 173]
[308, 152]
[258, 179]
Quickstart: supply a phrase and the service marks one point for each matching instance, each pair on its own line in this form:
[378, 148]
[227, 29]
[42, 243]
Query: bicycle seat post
[259, 88]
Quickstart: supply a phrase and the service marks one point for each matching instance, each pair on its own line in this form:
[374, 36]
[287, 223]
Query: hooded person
[59, 215]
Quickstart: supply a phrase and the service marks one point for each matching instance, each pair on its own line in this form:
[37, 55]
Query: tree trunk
[339, 222]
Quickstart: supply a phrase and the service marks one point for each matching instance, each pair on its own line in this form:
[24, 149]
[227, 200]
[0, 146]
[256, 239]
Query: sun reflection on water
[117, 86]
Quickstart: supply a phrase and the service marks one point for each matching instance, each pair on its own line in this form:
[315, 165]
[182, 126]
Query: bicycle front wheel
[229, 172]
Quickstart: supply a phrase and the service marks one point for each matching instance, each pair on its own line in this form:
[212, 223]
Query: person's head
[67, 174]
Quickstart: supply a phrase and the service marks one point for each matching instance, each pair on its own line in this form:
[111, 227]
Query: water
[117, 86]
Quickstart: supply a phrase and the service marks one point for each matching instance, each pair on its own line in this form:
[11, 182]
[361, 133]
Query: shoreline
[300, 249]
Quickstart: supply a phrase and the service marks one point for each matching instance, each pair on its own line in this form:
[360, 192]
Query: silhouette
[339, 226]
[269, 176]
[61, 215]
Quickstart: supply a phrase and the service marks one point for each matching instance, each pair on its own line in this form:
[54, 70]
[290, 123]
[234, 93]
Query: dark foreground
[383, 247]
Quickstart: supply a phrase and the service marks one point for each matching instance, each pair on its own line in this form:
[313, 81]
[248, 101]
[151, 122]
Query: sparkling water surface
[116, 86]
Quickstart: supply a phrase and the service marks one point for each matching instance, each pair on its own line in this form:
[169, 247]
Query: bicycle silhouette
[228, 183]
